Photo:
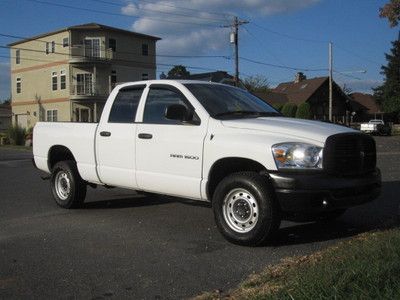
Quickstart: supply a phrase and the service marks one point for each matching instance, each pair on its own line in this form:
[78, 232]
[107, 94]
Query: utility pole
[235, 40]
[330, 81]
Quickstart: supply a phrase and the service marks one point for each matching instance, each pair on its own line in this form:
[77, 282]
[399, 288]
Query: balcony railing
[85, 89]
[80, 52]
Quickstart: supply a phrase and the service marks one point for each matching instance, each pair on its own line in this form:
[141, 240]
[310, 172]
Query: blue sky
[288, 33]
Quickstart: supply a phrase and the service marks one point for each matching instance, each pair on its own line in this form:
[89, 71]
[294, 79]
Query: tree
[391, 11]
[6, 101]
[303, 111]
[278, 106]
[289, 110]
[256, 83]
[347, 90]
[388, 94]
[178, 71]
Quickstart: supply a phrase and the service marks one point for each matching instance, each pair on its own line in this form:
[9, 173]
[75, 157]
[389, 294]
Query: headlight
[297, 156]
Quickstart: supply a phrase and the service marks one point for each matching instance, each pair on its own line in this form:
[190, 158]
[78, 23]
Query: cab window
[157, 102]
[125, 105]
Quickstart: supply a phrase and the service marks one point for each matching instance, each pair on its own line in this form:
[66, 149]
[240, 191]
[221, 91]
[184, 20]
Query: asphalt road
[123, 245]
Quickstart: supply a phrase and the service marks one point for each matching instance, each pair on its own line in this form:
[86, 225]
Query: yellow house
[67, 75]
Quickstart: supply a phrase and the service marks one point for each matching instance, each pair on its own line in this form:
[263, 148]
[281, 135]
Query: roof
[366, 100]
[298, 92]
[217, 76]
[88, 26]
[272, 97]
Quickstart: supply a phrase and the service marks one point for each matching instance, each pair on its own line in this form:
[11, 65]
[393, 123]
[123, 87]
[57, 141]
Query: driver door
[169, 153]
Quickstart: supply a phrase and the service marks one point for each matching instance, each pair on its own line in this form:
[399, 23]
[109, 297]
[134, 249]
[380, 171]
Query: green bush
[303, 111]
[278, 106]
[289, 110]
[16, 135]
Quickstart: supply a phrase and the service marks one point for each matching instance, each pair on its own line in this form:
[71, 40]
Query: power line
[116, 60]
[315, 41]
[30, 59]
[358, 55]
[346, 75]
[289, 36]
[186, 8]
[262, 43]
[282, 66]
[117, 14]
[124, 52]
[161, 12]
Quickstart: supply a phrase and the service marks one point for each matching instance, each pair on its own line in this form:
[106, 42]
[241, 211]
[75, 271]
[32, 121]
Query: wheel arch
[58, 153]
[228, 165]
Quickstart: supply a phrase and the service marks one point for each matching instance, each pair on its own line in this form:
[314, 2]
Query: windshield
[224, 102]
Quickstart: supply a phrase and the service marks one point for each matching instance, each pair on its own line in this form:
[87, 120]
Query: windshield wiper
[246, 113]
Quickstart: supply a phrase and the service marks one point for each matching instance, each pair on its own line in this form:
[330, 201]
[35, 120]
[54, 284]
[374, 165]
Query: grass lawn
[365, 267]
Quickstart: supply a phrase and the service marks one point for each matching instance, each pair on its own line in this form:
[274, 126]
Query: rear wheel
[245, 209]
[67, 186]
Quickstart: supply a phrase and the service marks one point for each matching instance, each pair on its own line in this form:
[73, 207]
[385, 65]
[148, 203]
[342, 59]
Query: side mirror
[177, 112]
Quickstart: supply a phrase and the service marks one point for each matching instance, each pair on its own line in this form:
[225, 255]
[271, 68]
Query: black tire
[67, 186]
[262, 204]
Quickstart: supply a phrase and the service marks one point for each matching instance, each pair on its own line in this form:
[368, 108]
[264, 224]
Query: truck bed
[78, 137]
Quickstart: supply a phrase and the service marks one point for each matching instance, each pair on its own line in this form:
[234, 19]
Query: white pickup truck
[376, 126]
[211, 142]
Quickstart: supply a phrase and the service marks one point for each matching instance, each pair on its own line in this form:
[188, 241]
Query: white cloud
[180, 36]
[4, 80]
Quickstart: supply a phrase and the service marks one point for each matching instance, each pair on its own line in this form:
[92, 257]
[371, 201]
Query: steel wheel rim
[62, 185]
[240, 210]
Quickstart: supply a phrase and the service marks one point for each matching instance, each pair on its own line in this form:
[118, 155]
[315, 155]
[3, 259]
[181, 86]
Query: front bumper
[318, 192]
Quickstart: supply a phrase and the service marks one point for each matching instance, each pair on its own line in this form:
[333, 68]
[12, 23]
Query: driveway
[124, 245]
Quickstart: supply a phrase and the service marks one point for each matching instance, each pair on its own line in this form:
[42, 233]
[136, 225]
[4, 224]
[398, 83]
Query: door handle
[145, 136]
[105, 133]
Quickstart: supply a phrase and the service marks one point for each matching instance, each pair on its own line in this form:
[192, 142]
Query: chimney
[299, 77]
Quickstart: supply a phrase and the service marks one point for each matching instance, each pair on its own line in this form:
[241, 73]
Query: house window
[92, 47]
[52, 115]
[63, 79]
[112, 43]
[113, 78]
[145, 49]
[19, 86]
[17, 56]
[53, 46]
[145, 76]
[47, 47]
[54, 81]
[65, 42]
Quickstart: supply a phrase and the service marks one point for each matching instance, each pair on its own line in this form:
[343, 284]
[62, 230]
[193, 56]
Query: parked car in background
[376, 126]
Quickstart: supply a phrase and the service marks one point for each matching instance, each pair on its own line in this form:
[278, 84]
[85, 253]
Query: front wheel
[245, 209]
[67, 186]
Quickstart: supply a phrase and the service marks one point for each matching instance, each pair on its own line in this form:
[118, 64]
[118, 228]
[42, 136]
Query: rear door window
[125, 105]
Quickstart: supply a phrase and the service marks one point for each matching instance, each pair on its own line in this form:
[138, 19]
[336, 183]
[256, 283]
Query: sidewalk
[14, 153]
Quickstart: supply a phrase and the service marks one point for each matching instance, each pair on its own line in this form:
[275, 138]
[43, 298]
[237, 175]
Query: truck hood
[305, 129]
